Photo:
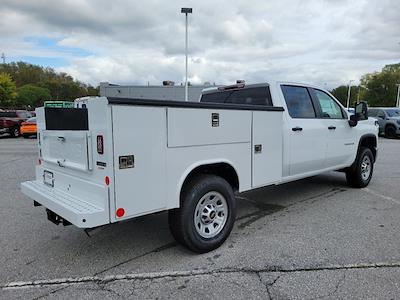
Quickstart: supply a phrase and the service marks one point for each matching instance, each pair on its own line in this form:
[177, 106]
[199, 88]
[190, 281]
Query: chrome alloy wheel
[366, 167]
[210, 215]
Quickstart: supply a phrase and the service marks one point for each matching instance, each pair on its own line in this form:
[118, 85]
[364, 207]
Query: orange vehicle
[28, 128]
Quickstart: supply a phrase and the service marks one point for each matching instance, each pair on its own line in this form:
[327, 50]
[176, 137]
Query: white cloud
[317, 41]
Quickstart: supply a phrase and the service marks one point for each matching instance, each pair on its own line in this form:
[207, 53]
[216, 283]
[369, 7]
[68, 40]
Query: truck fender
[189, 170]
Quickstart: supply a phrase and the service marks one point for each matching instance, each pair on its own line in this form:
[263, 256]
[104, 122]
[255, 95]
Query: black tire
[356, 175]
[14, 132]
[182, 220]
[390, 131]
[26, 136]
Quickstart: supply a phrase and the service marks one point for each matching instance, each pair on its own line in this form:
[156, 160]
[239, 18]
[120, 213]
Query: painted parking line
[381, 195]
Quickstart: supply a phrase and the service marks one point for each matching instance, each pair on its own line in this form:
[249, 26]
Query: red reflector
[100, 144]
[107, 180]
[120, 212]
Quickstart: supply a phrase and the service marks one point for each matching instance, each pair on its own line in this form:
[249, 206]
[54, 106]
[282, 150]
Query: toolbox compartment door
[67, 148]
[267, 149]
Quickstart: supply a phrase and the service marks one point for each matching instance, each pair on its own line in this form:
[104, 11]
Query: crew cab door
[340, 136]
[305, 134]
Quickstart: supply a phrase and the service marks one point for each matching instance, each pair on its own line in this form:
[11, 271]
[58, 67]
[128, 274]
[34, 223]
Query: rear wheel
[14, 132]
[207, 213]
[390, 131]
[26, 136]
[360, 174]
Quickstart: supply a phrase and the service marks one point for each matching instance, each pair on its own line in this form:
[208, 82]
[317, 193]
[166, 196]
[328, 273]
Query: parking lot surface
[314, 238]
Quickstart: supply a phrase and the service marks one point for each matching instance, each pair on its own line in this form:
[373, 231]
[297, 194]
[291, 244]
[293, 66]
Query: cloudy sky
[324, 42]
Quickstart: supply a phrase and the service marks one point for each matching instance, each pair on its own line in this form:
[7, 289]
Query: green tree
[379, 88]
[340, 93]
[61, 85]
[31, 96]
[7, 90]
[93, 91]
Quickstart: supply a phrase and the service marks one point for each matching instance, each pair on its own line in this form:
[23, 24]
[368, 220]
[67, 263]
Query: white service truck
[112, 159]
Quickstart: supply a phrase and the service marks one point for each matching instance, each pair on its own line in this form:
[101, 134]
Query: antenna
[3, 57]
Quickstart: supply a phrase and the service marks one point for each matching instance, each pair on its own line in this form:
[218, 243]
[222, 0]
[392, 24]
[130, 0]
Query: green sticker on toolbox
[59, 104]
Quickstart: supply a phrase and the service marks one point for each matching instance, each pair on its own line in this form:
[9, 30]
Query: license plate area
[48, 178]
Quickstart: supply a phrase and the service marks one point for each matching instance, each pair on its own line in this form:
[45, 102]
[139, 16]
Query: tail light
[100, 144]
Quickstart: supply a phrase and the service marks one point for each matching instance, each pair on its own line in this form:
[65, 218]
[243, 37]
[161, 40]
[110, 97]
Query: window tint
[393, 112]
[8, 114]
[250, 96]
[372, 112]
[298, 102]
[381, 114]
[329, 107]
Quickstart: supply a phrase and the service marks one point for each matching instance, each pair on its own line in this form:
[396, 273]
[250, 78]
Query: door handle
[297, 128]
[331, 127]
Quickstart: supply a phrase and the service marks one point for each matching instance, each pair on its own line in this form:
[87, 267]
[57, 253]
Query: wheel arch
[222, 168]
[369, 141]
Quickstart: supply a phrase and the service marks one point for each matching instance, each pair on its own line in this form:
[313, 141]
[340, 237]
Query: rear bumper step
[65, 208]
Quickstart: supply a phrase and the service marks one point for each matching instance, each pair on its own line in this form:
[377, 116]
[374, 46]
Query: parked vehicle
[29, 128]
[10, 121]
[388, 119]
[191, 157]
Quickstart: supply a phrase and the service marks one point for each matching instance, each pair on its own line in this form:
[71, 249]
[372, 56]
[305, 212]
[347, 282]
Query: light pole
[186, 11]
[3, 57]
[348, 94]
[398, 95]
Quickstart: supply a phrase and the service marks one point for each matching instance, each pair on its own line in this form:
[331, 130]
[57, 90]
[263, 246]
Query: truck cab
[317, 135]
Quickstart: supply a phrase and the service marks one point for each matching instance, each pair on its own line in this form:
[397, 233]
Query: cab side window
[329, 108]
[298, 102]
[372, 112]
[381, 114]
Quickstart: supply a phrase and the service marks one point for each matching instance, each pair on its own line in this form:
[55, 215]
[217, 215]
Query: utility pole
[398, 95]
[186, 11]
[348, 95]
[3, 57]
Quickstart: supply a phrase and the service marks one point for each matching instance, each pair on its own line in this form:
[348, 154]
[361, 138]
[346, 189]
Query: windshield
[393, 112]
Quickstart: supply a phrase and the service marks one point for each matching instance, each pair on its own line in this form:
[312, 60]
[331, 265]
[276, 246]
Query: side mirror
[353, 121]
[360, 114]
[361, 111]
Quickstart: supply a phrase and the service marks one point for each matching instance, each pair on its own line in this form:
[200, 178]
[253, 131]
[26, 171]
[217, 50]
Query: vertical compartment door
[266, 148]
[140, 142]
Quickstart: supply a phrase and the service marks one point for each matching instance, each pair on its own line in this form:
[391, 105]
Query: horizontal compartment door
[198, 127]
[67, 149]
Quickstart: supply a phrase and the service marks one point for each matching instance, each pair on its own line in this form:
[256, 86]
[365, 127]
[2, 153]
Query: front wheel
[14, 132]
[390, 131]
[360, 174]
[206, 215]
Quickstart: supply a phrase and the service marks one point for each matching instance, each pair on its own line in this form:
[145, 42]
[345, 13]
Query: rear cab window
[249, 96]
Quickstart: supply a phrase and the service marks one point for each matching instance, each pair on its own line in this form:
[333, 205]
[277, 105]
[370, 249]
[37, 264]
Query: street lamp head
[186, 10]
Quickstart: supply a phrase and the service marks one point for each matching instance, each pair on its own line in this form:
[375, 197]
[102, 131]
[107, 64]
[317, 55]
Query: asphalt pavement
[314, 238]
